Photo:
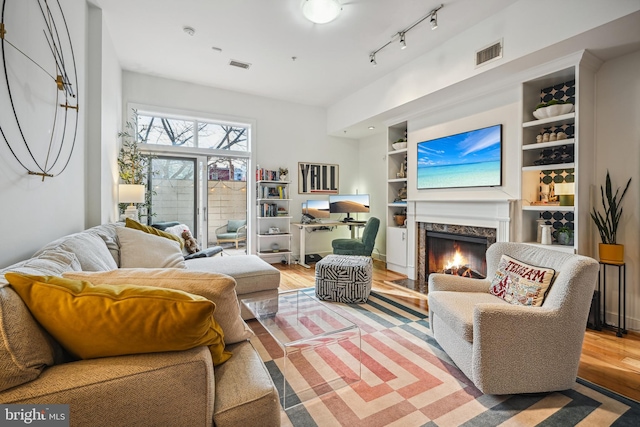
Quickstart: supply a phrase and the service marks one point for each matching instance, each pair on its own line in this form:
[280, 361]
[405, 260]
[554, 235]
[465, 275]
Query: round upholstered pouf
[344, 278]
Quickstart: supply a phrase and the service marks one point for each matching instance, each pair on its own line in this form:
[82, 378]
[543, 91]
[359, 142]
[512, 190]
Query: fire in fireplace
[457, 254]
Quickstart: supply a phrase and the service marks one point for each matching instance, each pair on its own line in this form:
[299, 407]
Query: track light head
[403, 43]
[372, 59]
[434, 21]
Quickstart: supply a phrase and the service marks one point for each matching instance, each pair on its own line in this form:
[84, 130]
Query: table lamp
[131, 193]
[565, 192]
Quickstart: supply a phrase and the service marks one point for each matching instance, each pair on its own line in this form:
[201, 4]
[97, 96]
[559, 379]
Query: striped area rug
[407, 380]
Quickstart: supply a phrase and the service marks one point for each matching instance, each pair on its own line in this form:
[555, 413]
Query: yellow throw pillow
[216, 287]
[93, 321]
[130, 223]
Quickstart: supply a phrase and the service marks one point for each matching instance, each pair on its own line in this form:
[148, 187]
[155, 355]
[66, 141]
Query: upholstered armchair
[363, 246]
[234, 231]
[505, 348]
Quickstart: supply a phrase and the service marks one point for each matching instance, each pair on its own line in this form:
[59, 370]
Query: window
[191, 133]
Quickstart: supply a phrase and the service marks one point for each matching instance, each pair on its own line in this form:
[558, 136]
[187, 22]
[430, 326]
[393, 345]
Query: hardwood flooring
[608, 361]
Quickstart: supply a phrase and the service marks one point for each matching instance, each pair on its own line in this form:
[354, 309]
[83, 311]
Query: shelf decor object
[42, 107]
[609, 250]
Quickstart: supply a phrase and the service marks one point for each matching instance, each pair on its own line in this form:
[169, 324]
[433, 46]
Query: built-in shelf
[402, 150]
[398, 180]
[277, 200]
[545, 208]
[564, 118]
[397, 204]
[549, 167]
[542, 145]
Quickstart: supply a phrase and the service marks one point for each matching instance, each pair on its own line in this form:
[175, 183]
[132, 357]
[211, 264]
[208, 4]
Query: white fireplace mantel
[473, 213]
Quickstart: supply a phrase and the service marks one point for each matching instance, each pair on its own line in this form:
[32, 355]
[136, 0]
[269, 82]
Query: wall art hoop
[38, 86]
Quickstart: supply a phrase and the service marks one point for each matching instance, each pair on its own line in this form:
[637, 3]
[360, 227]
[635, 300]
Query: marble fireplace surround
[480, 214]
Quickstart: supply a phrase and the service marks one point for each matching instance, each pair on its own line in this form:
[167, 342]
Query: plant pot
[399, 219]
[613, 254]
[565, 238]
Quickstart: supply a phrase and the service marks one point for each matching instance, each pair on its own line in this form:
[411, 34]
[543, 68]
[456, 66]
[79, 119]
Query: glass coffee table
[321, 348]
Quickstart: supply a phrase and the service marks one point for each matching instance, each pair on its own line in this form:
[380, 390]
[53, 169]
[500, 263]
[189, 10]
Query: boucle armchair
[508, 349]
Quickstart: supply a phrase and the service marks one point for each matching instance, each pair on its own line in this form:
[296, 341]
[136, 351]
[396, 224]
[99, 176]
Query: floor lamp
[131, 193]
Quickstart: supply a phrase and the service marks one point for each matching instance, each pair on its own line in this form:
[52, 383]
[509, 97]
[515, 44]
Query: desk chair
[363, 246]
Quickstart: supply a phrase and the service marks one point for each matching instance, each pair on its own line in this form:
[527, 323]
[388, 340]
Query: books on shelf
[272, 209]
[275, 192]
[267, 175]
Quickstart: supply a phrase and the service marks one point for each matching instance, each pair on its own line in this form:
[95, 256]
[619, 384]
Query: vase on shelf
[545, 238]
[540, 222]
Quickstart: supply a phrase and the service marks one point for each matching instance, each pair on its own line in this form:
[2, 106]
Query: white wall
[285, 134]
[618, 150]
[525, 27]
[34, 212]
[104, 88]
[373, 181]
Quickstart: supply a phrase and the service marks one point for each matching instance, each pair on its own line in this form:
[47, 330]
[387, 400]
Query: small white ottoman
[344, 278]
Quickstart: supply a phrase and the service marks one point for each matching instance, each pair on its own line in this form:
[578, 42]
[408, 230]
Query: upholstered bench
[344, 278]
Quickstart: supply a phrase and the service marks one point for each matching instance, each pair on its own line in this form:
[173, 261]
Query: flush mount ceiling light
[402, 34]
[321, 11]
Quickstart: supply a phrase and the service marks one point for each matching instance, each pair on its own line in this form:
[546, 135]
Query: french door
[202, 192]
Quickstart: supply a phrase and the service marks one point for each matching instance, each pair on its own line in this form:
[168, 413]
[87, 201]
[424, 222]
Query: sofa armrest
[449, 282]
[145, 389]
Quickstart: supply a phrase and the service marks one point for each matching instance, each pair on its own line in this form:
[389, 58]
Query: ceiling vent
[239, 64]
[488, 54]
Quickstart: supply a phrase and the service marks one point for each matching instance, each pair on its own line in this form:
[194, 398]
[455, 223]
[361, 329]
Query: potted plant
[607, 223]
[565, 235]
[284, 172]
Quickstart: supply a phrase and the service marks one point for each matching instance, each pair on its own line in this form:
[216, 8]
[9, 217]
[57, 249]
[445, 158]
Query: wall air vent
[488, 54]
[239, 64]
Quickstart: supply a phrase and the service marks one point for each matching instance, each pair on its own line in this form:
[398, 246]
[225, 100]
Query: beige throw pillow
[142, 250]
[519, 283]
[219, 288]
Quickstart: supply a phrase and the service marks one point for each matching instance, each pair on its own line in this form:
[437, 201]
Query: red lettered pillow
[519, 283]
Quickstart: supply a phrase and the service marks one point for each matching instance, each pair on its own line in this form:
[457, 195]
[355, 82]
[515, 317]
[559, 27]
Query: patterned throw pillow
[519, 283]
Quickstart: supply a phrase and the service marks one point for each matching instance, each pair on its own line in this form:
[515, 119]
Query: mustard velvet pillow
[130, 223]
[216, 287]
[93, 321]
[519, 283]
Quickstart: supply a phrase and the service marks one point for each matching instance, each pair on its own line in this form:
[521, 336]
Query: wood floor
[609, 361]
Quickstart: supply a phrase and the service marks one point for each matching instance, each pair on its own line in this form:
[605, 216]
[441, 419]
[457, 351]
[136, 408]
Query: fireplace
[453, 249]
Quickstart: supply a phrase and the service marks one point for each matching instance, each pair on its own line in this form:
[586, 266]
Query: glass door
[173, 181]
[227, 202]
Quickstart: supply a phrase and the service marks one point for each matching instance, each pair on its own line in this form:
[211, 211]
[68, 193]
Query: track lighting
[403, 43]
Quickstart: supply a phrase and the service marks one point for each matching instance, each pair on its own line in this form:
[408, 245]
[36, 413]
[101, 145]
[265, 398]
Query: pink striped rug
[407, 380]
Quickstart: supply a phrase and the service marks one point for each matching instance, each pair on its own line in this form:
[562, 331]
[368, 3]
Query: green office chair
[363, 246]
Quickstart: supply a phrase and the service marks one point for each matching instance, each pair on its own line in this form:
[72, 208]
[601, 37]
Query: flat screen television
[468, 159]
[316, 208]
[349, 203]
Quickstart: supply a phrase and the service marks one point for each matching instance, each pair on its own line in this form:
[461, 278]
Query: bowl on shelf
[552, 111]
[399, 145]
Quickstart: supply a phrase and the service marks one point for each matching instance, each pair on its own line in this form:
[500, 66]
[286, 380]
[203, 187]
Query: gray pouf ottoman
[344, 278]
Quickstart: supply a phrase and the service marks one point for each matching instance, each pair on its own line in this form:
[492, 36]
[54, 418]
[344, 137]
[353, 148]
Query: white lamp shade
[321, 11]
[131, 193]
[565, 189]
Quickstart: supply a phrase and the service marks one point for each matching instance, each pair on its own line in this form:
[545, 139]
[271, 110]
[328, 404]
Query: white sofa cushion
[143, 250]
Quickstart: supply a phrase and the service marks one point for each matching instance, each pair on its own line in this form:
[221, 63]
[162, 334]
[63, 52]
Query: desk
[302, 228]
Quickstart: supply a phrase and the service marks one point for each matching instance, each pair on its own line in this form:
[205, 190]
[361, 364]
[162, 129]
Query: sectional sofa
[174, 388]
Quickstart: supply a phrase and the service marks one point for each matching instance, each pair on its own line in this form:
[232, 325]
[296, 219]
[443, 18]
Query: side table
[622, 296]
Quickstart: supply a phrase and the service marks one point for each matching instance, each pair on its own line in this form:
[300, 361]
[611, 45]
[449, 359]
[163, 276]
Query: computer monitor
[316, 208]
[349, 203]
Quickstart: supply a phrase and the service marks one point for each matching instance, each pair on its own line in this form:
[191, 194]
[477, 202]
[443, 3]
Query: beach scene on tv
[469, 159]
